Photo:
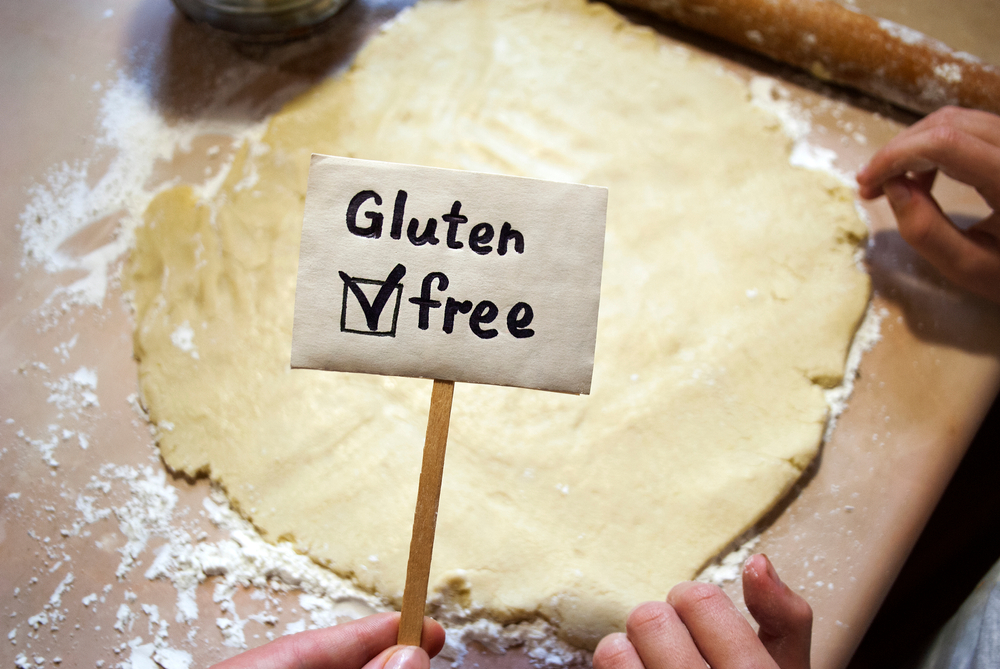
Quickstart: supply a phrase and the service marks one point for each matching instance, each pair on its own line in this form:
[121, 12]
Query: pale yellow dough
[730, 296]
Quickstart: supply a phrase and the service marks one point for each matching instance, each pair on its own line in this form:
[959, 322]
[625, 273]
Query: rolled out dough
[730, 296]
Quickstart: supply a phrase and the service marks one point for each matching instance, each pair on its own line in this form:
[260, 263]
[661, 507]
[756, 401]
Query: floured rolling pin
[836, 44]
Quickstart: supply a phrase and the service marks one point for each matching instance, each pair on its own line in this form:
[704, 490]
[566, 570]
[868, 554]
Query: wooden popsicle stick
[418, 567]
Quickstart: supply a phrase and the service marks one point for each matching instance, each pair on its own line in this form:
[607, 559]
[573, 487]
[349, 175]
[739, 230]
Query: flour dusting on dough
[183, 338]
[767, 94]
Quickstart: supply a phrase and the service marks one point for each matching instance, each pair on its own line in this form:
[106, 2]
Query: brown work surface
[921, 392]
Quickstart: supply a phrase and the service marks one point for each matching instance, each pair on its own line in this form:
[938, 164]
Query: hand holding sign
[505, 291]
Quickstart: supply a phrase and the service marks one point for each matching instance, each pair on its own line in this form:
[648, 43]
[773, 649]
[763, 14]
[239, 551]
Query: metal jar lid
[261, 20]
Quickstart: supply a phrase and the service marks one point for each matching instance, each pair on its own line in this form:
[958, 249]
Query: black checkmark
[373, 310]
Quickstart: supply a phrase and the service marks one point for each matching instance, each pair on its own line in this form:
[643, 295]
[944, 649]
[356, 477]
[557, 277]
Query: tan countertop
[921, 392]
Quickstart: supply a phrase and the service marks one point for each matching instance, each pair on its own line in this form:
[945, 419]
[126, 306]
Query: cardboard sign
[447, 274]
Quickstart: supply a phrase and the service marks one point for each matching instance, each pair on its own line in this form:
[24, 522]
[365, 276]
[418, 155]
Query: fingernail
[678, 590]
[897, 193]
[616, 643]
[771, 572]
[404, 658]
[758, 563]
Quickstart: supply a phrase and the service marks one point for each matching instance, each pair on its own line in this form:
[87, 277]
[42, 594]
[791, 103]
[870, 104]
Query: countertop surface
[77, 461]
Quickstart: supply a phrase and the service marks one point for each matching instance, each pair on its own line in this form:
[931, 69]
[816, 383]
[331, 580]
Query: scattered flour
[767, 94]
[950, 72]
[901, 32]
[869, 333]
[55, 601]
[243, 560]
[124, 619]
[155, 655]
[63, 349]
[46, 446]
[74, 392]
[183, 338]
[730, 566]
[139, 137]
[911, 37]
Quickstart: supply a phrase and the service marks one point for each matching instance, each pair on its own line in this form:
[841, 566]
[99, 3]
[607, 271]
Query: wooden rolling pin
[836, 44]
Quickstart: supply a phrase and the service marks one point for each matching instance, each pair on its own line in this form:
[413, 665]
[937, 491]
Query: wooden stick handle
[846, 47]
[418, 568]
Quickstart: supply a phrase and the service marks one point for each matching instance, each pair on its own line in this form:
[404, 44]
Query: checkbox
[363, 310]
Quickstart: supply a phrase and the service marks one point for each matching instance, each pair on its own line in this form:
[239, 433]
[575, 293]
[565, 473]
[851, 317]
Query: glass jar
[261, 20]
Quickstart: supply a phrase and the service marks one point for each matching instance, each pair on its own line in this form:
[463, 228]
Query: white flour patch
[912, 37]
[768, 95]
[814, 157]
[74, 392]
[63, 349]
[950, 72]
[730, 566]
[900, 32]
[146, 514]
[139, 137]
[155, 655]
[869, 333]
[124, 619]
[45, 446]
[55, 601]
[183, 338]
[244, 561]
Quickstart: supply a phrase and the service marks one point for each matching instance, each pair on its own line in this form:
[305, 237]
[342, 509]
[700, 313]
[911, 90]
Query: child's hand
[368, 643]
[965, 145]
[699, 625]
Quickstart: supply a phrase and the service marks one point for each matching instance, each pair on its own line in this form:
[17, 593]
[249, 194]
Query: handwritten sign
[448, 274]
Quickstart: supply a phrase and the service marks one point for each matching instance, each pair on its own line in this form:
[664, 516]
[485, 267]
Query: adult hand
[368, 643]
[698, 624]
[965, 145]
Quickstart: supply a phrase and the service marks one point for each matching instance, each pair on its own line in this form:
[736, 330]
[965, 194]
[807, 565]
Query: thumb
[971, 261]
[401, 657]
[785, 619]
